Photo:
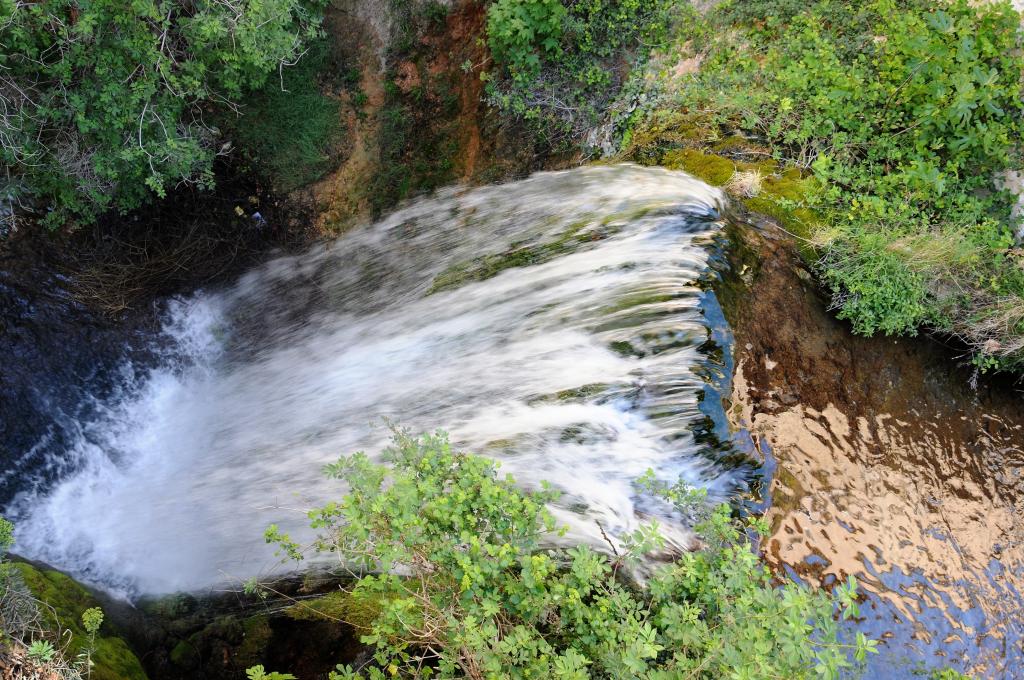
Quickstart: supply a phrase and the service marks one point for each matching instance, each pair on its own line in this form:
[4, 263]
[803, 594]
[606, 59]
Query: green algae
[521, 255]
[713, 169]
[354, 608]
[570, 396]
[638, 300]
[65, 600]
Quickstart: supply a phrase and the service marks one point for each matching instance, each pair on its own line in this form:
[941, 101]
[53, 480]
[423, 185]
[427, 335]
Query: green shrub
[520, 32]
[905, 112]
[106, 101]
[466, 588]
[562, 63]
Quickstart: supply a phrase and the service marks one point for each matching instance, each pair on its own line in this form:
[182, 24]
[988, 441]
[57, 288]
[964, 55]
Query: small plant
[92, 619]
[258, 673]
[6, 541]
[6, 536]
[41, 651]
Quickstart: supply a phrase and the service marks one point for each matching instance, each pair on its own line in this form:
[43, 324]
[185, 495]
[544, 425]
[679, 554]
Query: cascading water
[553, 323]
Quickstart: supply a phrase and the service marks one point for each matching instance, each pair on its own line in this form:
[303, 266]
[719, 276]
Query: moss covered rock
[711, 168]
[353, 608]
[64, 602]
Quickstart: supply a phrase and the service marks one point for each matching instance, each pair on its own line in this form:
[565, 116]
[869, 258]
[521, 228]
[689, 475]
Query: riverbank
[902, 121]
[892, 461]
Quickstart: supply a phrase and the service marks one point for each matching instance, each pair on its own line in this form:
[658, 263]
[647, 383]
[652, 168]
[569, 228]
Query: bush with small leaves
[106, 103]
[561, 64]
[455, 556]
[259, 673]
[906, 112]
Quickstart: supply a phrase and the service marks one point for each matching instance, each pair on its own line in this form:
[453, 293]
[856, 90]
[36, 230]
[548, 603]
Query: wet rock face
[300, 629]
[218, 636]
[890, 466]
[57, 359]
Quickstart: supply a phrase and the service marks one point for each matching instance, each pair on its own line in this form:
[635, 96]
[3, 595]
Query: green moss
[665, 130]
[170, 607]
[712, 169]
[185, 654]
[354, 608]
[638, 300]
[575, 394]
[66, 600]
[785, 198]
[256, 636]
[626, 349]
[488, 266]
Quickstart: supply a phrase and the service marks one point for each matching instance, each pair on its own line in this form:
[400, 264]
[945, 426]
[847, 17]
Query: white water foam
[304, 357]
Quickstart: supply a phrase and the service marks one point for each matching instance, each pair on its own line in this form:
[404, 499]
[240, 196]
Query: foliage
[454, 554]
[37, 625]
[289, 126]
[68, 615]
[92, 619]
[420, 122]
[41, 651]
[561, 63]
[6, 536]
[948, 674]
[905, 112]
[105, 101]
[258, 673]
[520, 32]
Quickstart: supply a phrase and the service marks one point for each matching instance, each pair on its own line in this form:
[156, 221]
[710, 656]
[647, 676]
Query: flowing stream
[553, 323]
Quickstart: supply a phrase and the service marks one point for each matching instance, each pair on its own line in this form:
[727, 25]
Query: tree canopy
[103, 103]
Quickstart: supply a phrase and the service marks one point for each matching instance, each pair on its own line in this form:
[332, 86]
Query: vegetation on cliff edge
[107, 104]
[563, 65]
[50, 626]
[453, 553]
[906, 113]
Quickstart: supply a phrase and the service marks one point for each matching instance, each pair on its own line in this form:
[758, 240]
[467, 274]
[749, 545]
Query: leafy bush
[520, 32]
[905, 111]
[259, 673]
[465, 588]
[105, 101]
[561, 63]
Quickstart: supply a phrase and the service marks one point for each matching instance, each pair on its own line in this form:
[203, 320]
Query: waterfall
[553, 323]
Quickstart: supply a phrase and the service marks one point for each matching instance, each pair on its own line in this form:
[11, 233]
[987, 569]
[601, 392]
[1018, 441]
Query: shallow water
[581, 364]
[893, 463]
[928, 523]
